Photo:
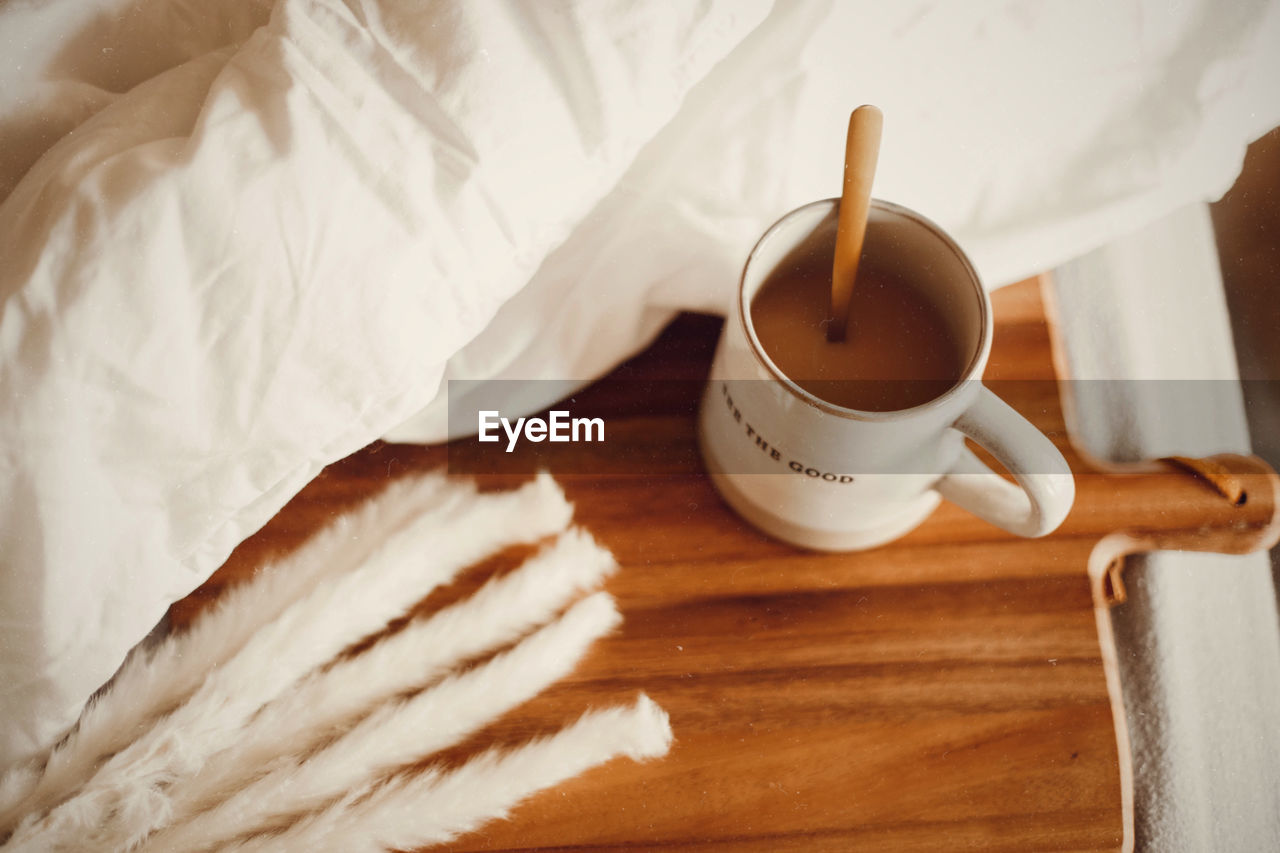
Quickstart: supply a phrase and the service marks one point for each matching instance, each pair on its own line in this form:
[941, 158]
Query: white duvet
[239, 241]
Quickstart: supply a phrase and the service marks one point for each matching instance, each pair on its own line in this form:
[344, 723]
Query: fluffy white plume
[130, 788]
[16, 786]
[328, 701]
[418, 727]
[153, 682]
[432, 808]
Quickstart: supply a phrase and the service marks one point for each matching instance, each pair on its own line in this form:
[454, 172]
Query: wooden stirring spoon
[862, 150]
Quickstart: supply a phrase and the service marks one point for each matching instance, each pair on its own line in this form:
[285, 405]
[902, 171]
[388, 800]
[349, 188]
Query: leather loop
[1217, 475]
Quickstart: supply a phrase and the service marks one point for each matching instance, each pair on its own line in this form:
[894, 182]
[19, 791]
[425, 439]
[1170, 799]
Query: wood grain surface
[948, 691]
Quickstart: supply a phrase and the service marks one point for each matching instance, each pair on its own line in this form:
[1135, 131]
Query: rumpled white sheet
[240, 241]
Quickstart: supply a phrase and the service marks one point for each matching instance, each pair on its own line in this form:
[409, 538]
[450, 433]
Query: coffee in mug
[896, 354]
[843, 446]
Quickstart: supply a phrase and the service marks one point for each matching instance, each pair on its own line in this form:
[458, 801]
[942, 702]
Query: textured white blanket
[1198, 638]
[240, 241]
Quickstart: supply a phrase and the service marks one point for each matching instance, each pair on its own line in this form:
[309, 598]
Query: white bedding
[239, 241]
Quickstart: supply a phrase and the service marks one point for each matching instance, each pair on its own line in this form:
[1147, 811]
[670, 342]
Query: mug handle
[1045, 489]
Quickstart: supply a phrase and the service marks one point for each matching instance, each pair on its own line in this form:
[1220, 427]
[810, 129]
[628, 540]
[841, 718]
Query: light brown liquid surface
[897, 353]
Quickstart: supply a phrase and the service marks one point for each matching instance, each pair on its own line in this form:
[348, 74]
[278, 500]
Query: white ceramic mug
[831, 478]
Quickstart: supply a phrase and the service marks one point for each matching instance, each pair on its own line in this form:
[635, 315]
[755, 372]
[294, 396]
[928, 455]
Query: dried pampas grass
[154, 681]
[325, 704]
[239, 722]
[435, 807]
[401, 732]
[312, 630]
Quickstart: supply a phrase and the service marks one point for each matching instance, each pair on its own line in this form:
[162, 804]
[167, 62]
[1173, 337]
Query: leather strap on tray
[1226, 482]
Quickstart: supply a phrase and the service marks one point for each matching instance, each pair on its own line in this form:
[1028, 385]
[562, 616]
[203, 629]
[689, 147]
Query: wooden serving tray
[957, 688]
